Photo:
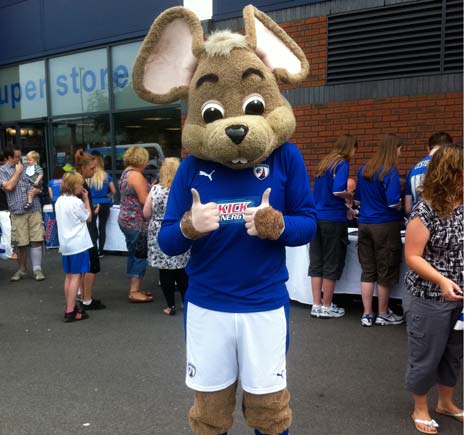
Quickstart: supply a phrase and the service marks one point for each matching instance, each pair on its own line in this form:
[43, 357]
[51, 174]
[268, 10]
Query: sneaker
[316, 311]
[96, 304]
[18, 275]
[38, 275]
[389, 319]
[367, 320]
[331, 312]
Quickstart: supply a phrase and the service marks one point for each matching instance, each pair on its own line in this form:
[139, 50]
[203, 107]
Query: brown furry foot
[269, 413]
[269, 223]
[212, 412]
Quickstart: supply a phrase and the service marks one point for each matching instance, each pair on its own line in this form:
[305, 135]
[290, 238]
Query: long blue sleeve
[299, 213]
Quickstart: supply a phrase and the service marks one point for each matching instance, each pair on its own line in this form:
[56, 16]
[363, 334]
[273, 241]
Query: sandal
[75, 315]
[431, 424]
[170, 311]
[142, 299]
[458, 416]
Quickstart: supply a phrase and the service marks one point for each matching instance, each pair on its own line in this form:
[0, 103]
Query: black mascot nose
[237, 133]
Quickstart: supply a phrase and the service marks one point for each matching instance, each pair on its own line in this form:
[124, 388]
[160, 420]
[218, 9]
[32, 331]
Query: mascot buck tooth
[237, 201]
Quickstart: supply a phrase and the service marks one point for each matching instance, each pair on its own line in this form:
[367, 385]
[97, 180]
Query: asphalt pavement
[122, 370]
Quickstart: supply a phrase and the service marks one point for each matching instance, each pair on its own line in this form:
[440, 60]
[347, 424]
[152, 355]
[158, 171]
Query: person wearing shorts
[73, 211]
[379, 244]
[329, 246]
[27, 228]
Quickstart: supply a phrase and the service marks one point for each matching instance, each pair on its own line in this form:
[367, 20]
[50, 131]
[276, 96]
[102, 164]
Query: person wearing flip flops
[73, 212]
[433, 301]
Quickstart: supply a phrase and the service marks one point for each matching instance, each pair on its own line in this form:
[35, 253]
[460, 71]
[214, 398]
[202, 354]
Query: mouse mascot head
[237, 115]
[236, 133]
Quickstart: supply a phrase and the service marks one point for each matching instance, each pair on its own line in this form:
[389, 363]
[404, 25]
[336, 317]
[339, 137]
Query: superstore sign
[76, 80]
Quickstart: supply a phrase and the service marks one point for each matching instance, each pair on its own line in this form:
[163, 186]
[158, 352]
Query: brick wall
[310, 35]
[412, 118]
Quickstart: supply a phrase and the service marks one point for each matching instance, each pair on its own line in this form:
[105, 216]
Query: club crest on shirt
[261, 171]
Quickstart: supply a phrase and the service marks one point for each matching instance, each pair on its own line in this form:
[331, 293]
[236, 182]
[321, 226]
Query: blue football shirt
[328, 206]
[376, 196]
[229, 270]
[415, 179]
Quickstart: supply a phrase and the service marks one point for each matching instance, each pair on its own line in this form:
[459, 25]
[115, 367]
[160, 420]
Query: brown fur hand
[269, 223]
[188, 229]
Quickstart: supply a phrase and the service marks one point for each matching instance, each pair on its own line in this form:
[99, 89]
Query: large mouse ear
[274, 46]
[168, 56]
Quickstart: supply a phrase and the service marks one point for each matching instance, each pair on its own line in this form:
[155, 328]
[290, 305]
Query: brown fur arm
[269, 223]
[187, 228]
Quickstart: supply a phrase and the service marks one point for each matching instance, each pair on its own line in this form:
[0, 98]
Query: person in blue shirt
[102, 189]
[54, 184]
[417, 173]
[379, 243]
[329, 246]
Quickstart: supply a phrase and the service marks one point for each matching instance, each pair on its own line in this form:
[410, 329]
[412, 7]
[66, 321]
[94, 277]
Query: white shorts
[223, 347]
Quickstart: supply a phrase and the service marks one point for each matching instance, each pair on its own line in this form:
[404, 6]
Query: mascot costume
[237, 201]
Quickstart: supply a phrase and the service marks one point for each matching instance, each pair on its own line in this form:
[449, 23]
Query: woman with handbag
[133, 190]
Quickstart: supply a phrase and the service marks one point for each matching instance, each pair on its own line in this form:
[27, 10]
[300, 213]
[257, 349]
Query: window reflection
[158, 130]
[89, 133]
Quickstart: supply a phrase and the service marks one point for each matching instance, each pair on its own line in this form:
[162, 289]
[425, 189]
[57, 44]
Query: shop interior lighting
[154, 119]
[134, 126]
[173, 128]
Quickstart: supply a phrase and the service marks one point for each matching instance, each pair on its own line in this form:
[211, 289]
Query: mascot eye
[254, 105]
[212, 111]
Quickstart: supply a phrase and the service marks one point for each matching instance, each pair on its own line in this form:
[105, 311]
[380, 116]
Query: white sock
[87, 302]
[36, 258]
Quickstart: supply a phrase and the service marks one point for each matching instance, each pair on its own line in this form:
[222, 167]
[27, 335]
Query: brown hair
[439, 138]
[443, 183]
[82, 159]
[385, 157]
[34, 155]
[69, 183]
[343, 150]
[168, 170]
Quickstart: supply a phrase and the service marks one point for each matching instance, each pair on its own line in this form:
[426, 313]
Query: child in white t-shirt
[35, 176]
[72, 210]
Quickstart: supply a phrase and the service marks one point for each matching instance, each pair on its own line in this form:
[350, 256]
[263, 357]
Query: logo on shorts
[191, 370]
[280, 374]
[261, 171]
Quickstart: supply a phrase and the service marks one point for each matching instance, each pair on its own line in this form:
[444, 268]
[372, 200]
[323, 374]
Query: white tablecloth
[299, 284]
[115, 240]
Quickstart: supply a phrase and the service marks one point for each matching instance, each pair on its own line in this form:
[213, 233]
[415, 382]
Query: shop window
[23, 92]
[89, 133]
[158, 130]
[79, 83]
[123, 58]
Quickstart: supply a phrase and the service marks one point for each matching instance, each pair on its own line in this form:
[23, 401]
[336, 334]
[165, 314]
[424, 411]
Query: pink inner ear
[273, 52]
[171, 63]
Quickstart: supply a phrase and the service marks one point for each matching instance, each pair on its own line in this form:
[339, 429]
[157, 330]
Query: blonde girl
[73, 211]
[171, 269]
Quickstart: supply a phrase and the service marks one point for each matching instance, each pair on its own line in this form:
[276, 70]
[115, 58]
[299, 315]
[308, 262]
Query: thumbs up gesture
[205, 217]
[264, 221]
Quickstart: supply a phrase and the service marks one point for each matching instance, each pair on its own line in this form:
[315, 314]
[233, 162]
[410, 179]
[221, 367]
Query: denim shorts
[136, 266]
